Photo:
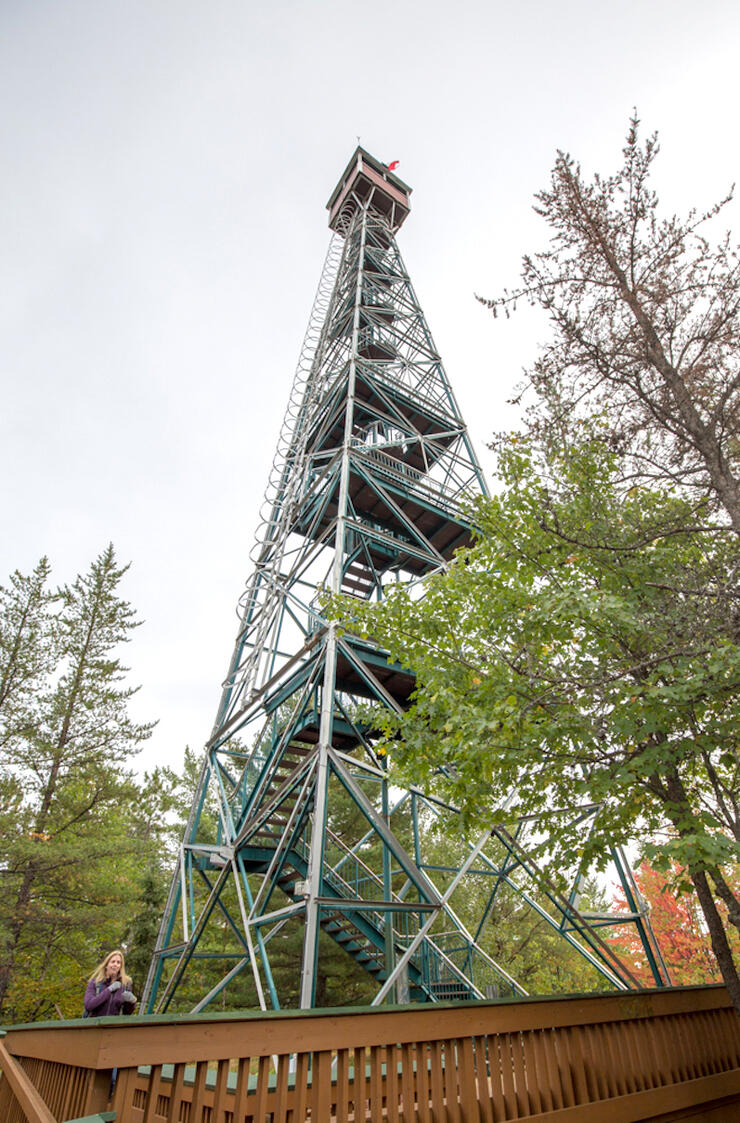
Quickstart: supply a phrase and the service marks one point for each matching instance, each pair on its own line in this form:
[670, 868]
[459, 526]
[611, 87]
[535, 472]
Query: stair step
[358, 569]
[350, 585]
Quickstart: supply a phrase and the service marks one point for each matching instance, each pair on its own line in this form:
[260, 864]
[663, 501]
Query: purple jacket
[101, 1003]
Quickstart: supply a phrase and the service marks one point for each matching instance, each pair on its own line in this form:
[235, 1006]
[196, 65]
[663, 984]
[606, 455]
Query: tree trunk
[21, 908]
[718, 936]
[726, 895]
[678, 809]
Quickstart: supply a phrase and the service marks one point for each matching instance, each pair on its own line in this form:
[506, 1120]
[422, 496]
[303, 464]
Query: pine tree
[27, 652]
[68, 736]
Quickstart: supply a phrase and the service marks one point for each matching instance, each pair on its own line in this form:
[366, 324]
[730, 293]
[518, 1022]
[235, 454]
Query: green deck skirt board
[100, 1117]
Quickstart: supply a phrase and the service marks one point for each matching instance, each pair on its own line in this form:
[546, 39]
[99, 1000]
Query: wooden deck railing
[606, 1057]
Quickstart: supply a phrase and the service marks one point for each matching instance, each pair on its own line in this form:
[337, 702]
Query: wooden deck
[650, 1055]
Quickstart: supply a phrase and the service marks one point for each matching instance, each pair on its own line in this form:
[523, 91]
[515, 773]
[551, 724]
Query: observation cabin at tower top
[367, 179]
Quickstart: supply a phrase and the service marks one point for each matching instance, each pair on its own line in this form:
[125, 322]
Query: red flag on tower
[393, 165]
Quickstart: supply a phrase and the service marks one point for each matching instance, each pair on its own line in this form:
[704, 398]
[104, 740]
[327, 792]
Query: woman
[109, 989]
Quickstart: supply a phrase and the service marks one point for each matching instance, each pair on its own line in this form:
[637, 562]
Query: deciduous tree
[562, 659]
[679, 927]
[645, 311]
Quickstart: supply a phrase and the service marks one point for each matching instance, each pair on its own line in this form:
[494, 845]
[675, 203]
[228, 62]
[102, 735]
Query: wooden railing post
[98, 1092]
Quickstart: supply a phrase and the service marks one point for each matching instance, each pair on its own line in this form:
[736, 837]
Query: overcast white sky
[165, 166]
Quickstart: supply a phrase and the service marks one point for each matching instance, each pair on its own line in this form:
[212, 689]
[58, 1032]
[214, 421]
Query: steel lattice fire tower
[368, 487]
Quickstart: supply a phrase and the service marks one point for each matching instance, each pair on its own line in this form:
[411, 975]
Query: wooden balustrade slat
[467, 1084]
[596, 1063]
[627, 1052]
[685, 1060]
[676, 1068]
[408, 1098]
[376, 1085]
[449, 1077]
[259, 1104]
[198, 1099]
[724, 1039]
[686, 1028]
[501, 1064]
[663, 1051]
[565, 1069]
[728, 1020]
[176, 1093]
[576, 1061]
[359, 1084]
[241, 1090]
[520, 1077]
[632, 1069]
[650, 1055]
[710, 1024]
[152, 1093]
[220, 1094]
[531, 1075]
[699, 1045]
[612, 1046]
[65, 1090]
[485, 1061]
[301, 1088]
[552, 1062]
[636, 1072]
[321, 1095]
[423, 1087]
[667, 1050]
[695, 1046]
[81, 1083]
[342, 1110]
[392, 1090]
[715, 1040]
[605, 1062]
[541, 1073]
[704, 1037]
[281, 1088]
[565, 1066]
[436, 1082]
[47, 1078]
[585, 1048]
[650, 1051]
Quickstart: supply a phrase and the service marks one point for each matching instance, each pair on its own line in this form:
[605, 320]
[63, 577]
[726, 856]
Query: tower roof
[363, 178]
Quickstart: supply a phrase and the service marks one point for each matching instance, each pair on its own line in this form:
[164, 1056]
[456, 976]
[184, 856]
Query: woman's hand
[115, 985]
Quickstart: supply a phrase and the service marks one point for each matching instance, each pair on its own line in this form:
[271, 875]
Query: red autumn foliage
[678, 925]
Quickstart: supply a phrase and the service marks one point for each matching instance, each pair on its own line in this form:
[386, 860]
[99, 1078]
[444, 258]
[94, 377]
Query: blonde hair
[100, 972]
